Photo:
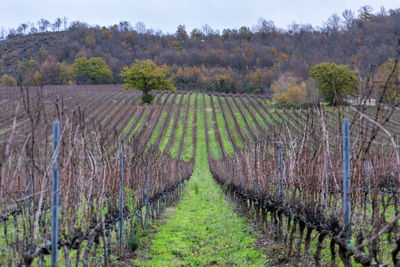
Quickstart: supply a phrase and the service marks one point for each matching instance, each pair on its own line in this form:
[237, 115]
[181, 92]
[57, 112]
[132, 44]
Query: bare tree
[333, 23]
[65, 22]
[348, 16]
[43, 25]
[22, 28]
[57, 24]
[33, 29]
[365, 12]
[125, 26]
[140, 27]
[2, 34]
[207, 30]
[264, 26]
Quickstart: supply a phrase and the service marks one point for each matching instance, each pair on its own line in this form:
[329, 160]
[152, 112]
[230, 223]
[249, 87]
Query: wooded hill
[234, 60]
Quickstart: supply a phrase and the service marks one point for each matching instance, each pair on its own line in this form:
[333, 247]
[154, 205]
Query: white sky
[166, 15]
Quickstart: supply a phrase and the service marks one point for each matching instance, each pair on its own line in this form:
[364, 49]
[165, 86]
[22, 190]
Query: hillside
[234, 60]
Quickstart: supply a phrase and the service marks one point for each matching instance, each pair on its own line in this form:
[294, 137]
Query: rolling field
[192, 159]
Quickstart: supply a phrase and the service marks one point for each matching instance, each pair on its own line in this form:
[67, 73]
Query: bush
[8, 80]
[288, 90]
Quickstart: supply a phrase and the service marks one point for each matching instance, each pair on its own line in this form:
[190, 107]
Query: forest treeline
[248, 59]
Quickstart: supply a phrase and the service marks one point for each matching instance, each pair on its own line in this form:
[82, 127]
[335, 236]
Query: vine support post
[121, 200]
[147, 193]
[55, 194]
[346, 177]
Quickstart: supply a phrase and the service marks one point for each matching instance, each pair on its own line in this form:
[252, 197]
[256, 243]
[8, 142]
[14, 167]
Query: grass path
[202, 229]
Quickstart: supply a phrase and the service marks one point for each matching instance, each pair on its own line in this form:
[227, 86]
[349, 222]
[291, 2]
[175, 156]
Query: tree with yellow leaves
[8, 80]
[388, 75]
[289, 90]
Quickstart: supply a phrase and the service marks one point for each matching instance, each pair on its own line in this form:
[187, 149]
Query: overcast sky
[166, 15]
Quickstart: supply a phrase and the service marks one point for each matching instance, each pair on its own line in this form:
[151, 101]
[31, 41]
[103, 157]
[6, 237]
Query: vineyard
[328, 197]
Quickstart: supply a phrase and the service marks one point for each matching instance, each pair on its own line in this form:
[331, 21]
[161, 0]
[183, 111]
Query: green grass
[226, 142]
[215, 148]
[134, 130]
[167, 135]
[182, 116]
[249, 118]
[288, 121]
[10, 128]
[202, 229]
[188, 146]
[157, 128]
[239, 119]
[231, 124]
[169, 101]
[274, 114]
[259, 118]
[128, 125]
[266, 115]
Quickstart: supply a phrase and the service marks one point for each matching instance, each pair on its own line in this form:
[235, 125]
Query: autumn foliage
[289, 90]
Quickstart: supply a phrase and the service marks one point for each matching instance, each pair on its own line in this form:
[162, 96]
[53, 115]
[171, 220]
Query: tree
[264, 27]
[43, 24]
[245, 33]
[33, 29]
[65, 22]
[57, 24]
[333, 23]
[181, 33]
[54, 72]
[207, 30]
[8, 80]
[124, 26]
[196, 34]
[37, 79]
[95, 70]
[140, 27]
[349, 17]
[27, 71]
[387, 81]
[365, 12]
[335, 81]
[146, 76]
[22, 28]
[289, 90]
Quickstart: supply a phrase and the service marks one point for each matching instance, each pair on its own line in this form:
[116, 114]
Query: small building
[359, 100]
